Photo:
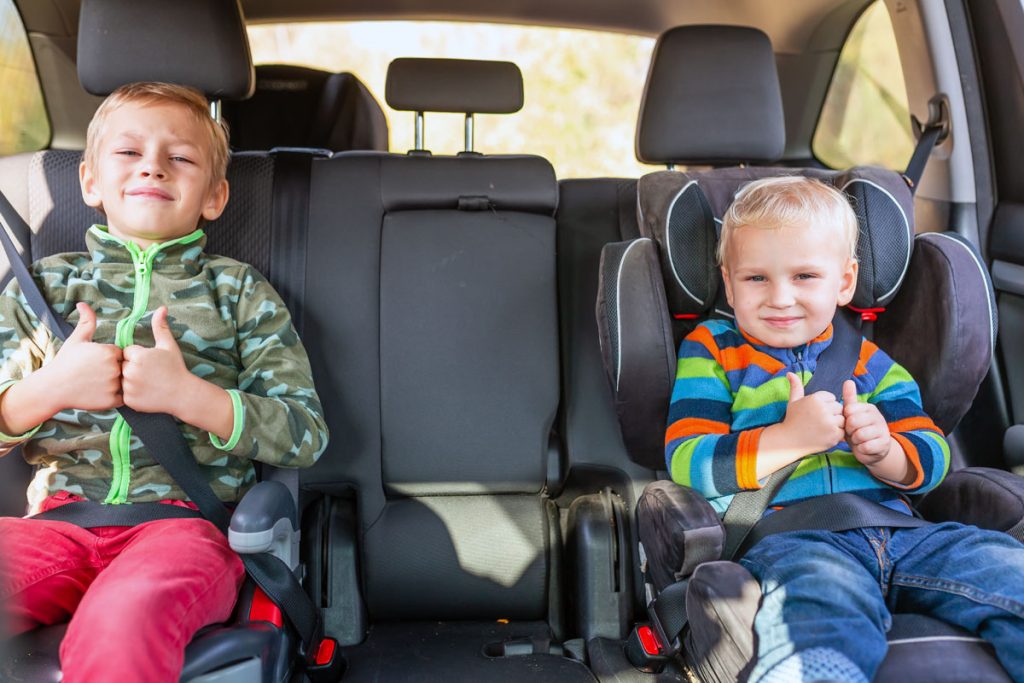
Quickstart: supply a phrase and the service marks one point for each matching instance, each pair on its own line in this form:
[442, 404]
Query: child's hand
[155, 380]
[867, 432]
[815, 422]
[83, 374]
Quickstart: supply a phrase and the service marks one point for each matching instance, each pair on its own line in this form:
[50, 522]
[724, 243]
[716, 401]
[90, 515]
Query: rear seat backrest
[296, 106]
[433, 327]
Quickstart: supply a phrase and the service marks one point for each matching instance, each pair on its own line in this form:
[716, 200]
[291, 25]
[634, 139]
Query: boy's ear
[848, 282]
[728, 286]
[216, 200]
[90, 191]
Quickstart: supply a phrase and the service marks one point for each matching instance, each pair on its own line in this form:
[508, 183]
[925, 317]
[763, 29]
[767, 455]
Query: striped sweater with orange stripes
[729, 387]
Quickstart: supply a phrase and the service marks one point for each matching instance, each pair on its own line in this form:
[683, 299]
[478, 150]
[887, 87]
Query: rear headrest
[461, 86]
[200, 43]
[712, 97]
[295, 106]
[682, 212]
[468, 183]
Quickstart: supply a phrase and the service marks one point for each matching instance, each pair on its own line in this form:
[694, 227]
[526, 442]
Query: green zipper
[124, 335]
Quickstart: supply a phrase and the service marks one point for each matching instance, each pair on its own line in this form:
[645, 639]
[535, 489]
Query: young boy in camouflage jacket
[161, 326]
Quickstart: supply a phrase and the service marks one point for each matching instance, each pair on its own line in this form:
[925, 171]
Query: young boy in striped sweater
[739, 413]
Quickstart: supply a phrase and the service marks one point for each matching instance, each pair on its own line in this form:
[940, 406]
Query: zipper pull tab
[141, 268]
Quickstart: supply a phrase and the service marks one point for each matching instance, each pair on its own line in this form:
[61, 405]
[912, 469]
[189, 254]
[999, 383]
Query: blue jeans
[828, 595]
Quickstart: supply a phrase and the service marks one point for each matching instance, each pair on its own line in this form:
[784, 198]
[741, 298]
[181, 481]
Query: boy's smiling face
[784, 284]
[153, 174]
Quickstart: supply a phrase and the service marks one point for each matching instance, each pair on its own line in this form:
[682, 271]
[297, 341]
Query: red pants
[135, 596]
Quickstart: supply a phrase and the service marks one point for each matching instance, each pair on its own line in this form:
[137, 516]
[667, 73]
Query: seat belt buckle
[645, 650]
[325, 662]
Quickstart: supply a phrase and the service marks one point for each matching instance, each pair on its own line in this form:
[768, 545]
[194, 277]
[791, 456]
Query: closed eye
[127, 152]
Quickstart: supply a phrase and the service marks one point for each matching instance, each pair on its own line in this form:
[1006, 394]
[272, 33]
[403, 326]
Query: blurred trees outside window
[23, 123]
[582, 88]
[865, 118]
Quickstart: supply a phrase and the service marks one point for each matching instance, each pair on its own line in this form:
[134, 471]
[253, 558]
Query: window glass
[582, 88]
[865, 118]
[23, 123]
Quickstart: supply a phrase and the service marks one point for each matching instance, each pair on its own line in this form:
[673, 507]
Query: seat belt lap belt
[167, 445]
[745, 522]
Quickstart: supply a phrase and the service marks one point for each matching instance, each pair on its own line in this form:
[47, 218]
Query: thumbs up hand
[814, 423]
[83, 374]
[866, 431]
[155, 380]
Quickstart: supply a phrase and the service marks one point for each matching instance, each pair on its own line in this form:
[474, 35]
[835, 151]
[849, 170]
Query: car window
[582, 88]
[23, 123]
[865, 118]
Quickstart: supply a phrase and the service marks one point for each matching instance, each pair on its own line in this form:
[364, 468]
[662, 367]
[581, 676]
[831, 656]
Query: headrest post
[419, 131]
[670, 166]
[469, 132]
[215, 110]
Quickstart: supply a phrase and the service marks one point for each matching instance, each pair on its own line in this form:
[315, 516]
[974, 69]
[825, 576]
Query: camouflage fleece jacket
[232, 329]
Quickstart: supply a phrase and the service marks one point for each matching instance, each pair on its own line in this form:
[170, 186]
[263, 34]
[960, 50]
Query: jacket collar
[183, 251]
[807, 352]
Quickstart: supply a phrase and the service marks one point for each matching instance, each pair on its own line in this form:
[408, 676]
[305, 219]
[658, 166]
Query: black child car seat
[712, 98]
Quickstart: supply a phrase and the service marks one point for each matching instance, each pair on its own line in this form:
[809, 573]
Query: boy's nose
[153, 168]
[780, 295]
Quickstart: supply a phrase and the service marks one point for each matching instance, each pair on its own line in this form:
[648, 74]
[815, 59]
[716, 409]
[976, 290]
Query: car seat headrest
[682, 213]
[296, 106]
[199, 43]
[461, 86]
[712, 97]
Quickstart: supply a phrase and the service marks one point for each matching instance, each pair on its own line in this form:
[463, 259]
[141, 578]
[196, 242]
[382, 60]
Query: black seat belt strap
[835, 365]
[930, 134]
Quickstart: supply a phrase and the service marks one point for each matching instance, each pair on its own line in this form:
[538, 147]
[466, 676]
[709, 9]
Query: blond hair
[147, 93]
[789, 201]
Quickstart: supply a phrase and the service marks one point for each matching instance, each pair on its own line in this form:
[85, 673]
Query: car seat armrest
[266, 521]
[985, 497]
[679, 530]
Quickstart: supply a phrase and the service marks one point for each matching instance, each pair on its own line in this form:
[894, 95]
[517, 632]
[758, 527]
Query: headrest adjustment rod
[469, 132]
[215, 110]
[419, 131]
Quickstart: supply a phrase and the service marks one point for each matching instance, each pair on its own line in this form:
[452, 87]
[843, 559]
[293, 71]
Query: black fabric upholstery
[296, 106]
[982, 496]
[637, 345]
[485, 183]
[883, 205]
[432, 335]
[721, 601]
[591, 213]
[925, 649]
[942, 325]
[679, 529]
[454, 85]
[712, 97]
[468, 324]
[200, 43]
[433, 652]
[458, 557]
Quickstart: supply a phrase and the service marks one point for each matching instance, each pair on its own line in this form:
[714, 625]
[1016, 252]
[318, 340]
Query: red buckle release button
[649, 641]
[325, 652]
